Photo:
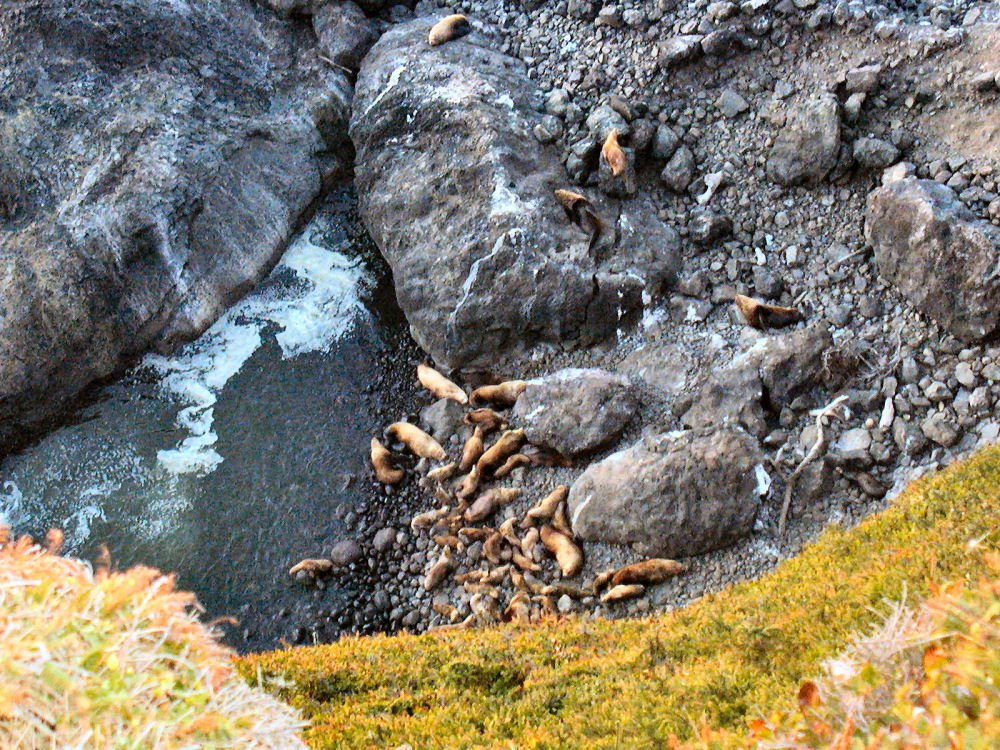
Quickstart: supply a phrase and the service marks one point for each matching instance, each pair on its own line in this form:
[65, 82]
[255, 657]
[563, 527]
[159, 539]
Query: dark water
[246, 451]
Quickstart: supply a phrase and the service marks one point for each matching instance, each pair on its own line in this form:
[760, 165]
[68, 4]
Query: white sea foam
[312, 314]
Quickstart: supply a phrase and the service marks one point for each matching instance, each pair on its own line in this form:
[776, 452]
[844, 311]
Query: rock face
[156, 158]
[760, 381]
[344, 33]
[938, 254]
[458, 195]
[675, 495]
[576, 411]
[807, 147]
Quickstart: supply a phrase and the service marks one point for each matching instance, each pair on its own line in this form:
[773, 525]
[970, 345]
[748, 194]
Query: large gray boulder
[942, 258]
[458, 195]
[576, 411]
[807, 147]
[674, 495]
[155, 157]
[758, 383]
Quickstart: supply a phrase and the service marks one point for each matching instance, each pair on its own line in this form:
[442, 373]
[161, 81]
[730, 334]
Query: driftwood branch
[835, 409]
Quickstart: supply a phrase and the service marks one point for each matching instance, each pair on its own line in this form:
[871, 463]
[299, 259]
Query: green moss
[644, 683]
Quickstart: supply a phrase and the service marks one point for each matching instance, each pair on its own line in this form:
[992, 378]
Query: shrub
[118, 660]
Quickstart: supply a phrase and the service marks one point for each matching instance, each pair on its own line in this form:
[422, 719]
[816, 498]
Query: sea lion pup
[487, 419]
[501, 396]
[448, 28]
[523, 562]
[498, 453]
[560, 588]
[439, 570]
[519, 609]
[625, 591]
[468, 486]
[490, 502]
[546, 457]
[443, 473]
[560, 521]
[528, 542]
[448, 610]
[762, 316]
[648, 572]
[417, 441]
[514, 462]
[613, 154]
[476, 534]
[603, 579]
[546, 507]
[448, 540]
[472, 451]
[567, 554]
[439, 385]
[385, 470]
[493, 548]
[312, 566]
[428, 518]
[581, 212]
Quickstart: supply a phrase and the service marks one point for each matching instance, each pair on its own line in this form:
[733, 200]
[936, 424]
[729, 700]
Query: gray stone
[937, 254]
[576, 411]
[618, 186]
[965, 375]
[678, 50]
[706, 227]
[853, 445]
[807, 147]
[874, 153]
[862, 79]
[384, 539]
[443, 418]
[483, 258]
[908, 437]
[779, 367]
[156, 159]
[673, 495]
[665, 142]
[679, 171]
[731, 104]
[603, 120]
[549, 130]
[345, 552]
[345, 34]
[940, 428]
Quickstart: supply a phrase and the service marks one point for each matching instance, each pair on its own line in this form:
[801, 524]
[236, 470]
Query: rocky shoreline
[835, 160]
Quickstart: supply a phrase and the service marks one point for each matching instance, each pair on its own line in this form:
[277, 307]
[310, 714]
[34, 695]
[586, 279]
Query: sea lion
[439, 385]
[439, 570]
[417, 441]
[493, 548]
[463, 625]
[490, 502]
[519, 609]
[448, 540]
[312, 566]
[487, 419]
[497, 575]
[448, 28]
[474, 534]
[560, 521]
[624, 591]
[762, 316]
[473, 576]
[582, 213]
[515, 461]
[528, 543]
[468, 486]
[501, 396]
[479, 587]
[567, 554]
[547, 604]
[476, 376]
[448, 610]
[443, 473]
[546, 457]
[568, 589]
[428, 518]
[546, 507]
[523, 562]
[503, 448]
[603, 579]
[613, 154]
[648, 572]
[472, 451]
[385, 471]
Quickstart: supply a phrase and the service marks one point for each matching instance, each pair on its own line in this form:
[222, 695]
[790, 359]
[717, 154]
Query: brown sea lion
[567, 554]
[448, 28]
[385, 470]
[648, 572]
[624, 591]
[613, 154]
[501, 396]
[417, 441]
[439, 385]
[762, 316]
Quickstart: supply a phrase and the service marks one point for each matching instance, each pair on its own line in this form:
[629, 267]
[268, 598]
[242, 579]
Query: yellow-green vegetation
[721, 663]
[929, 678]
[118, 660]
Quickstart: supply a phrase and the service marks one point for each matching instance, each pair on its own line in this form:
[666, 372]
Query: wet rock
[345, 34]
[937, 254]
[664, 365]
[757, 384]
[706, 227]
[603, 120]
[674, 495]
[443, 418]
[940, 428]
[384, 539]
[808, 145]
[166, 186]
[346, 551]
[576, 411]
[483, 257]
[731, 104]
[665, 142]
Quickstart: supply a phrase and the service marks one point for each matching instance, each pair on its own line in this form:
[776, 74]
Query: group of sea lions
[518, 547]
